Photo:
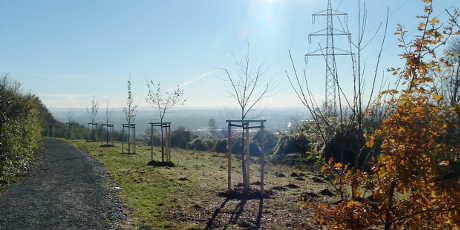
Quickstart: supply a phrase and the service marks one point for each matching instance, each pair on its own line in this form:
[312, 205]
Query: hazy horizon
[277, 119]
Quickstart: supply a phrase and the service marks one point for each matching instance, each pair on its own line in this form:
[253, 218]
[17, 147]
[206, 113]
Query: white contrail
[201, 76]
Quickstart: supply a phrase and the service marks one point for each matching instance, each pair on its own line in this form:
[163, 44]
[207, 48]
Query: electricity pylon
[329, 52]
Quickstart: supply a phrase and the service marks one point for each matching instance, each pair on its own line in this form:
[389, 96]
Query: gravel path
[68, 190]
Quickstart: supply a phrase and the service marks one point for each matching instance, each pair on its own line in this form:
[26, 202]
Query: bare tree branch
[92, 111]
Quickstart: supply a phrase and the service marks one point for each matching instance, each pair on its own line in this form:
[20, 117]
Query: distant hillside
[51, 127]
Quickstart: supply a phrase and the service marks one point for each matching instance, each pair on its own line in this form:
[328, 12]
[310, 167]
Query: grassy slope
[186, 196]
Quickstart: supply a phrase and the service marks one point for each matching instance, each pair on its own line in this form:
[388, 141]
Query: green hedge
[20, 131]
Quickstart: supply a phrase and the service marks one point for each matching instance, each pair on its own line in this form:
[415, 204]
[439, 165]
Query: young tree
[412, 185]
[249, 86]
[163, 102]
[130, 109]
[69, 116]
[69, 113]
[130, 113]
[108, 114]
[92, 112]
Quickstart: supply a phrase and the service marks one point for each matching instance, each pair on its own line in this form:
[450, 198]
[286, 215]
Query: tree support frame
[131, 138]
[109, 134]
[165, 145]
[245, 124]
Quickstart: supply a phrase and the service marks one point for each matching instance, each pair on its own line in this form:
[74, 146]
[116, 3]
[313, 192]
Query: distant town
[195, 119]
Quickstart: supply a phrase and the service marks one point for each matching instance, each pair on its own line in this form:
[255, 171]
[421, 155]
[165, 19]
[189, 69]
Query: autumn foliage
[413, 183]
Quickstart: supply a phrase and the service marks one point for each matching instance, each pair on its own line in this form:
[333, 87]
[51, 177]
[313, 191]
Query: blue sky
[69, 51]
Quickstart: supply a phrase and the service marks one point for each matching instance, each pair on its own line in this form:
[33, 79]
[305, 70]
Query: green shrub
[221, 146]
[343, 147]
[181, 137]
[270, 140]
[198, 144]
[211, 143]
[20, 129]
[292, 143]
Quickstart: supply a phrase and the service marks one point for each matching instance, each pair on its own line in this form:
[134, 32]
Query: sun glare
[265, 17]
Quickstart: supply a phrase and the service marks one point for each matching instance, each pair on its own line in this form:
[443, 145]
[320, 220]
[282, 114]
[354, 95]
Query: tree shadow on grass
[160, 163]
[259, 215]
[239, 209]
[209, 225]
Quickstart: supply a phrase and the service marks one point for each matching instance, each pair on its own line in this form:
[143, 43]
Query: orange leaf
[444, 163]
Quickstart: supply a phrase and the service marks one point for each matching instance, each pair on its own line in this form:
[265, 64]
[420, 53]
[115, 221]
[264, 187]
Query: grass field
[189, 195]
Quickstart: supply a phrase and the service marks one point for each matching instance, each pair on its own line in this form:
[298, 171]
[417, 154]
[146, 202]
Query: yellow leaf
[370, 143]
[421, 25]
[434, 21]
[433, 194]
[352, 203]
[338, 165]
[416, 109]
[437, 97]
[427, 1]
[402, 102]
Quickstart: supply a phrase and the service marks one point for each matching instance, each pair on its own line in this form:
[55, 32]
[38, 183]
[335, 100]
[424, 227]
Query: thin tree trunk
[129, 139]
[229, 157]
[162, 142]
[107, 133]
[388, 217]
[248, 157]
[243, 162]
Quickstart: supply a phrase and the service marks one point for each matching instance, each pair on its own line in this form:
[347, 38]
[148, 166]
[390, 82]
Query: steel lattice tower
[329, 52]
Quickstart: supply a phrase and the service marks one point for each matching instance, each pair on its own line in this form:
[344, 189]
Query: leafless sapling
[249, 87]
[108, 114]
[92, 112]
[69, 116]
